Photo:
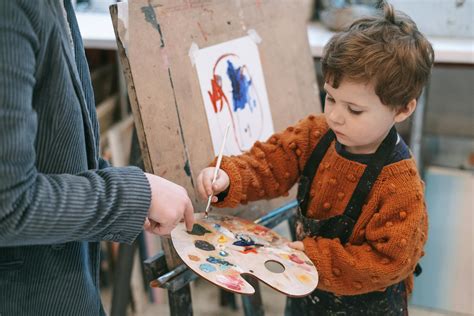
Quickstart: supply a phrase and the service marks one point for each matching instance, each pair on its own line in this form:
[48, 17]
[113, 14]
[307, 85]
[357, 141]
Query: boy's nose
[336, 116]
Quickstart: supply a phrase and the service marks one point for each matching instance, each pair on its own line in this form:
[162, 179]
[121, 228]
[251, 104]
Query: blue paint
[240, 87]
[150, 17]
[223, 253]
[206, 267]
[224, 267]
[243, 243]
[187, 169]
[215, 260]
[243, 240]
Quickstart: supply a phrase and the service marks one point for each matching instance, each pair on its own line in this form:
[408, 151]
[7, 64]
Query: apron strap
[370, 175]
[309, 171]
[366, 182]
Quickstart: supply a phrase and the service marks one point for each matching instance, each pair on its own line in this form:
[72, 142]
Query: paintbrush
[216, 170]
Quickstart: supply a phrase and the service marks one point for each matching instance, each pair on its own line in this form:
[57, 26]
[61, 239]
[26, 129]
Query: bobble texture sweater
[388, 238]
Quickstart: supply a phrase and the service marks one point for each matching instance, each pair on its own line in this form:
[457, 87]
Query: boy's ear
[404, 112]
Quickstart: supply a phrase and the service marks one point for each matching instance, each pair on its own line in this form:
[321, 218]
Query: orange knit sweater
[387, 240]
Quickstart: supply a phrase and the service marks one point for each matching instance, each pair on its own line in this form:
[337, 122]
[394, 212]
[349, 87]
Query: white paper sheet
[233, 90]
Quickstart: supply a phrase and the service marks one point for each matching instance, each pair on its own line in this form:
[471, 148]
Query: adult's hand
[170, 203]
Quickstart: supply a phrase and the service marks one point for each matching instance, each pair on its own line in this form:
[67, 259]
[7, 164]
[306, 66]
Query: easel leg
[253, 303]
[227, 298]
[180, 302]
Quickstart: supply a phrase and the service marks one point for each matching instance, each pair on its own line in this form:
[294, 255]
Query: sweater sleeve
[390, 245]
[271, 168]
[37, 208]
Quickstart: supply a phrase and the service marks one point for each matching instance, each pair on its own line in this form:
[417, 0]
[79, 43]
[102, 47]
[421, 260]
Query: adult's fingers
[162, 230]
[147, 225]
[189, 215]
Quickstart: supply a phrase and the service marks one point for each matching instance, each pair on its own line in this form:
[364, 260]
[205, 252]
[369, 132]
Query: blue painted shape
[215, 260]
[206, 267]
[240, 87]
[224, 267]
[243, 240]
[150, 17]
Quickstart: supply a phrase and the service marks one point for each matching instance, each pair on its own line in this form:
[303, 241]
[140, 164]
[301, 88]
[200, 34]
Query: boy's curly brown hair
[387, 51]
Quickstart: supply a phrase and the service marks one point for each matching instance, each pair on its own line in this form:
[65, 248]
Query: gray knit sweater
[58, 199]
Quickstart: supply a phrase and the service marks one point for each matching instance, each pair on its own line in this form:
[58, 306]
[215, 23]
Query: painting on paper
[233, 90]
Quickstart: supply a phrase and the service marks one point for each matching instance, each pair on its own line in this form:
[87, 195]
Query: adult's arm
[37, 208]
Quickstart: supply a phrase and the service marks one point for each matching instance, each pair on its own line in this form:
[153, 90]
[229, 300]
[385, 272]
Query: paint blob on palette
[221, 248]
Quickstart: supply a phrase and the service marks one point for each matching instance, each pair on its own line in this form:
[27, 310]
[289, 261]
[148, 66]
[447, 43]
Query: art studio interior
[236, 157]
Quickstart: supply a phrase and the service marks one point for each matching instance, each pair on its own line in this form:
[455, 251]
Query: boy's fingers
[218, 185]
[208, 187]
[207, 182]
[201, 190]
[298, 245]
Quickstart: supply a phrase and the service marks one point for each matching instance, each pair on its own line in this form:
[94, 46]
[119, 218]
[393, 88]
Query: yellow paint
[222, 239]
[304, 278]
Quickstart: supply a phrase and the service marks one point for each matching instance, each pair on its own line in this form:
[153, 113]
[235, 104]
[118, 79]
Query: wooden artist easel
[154, 39]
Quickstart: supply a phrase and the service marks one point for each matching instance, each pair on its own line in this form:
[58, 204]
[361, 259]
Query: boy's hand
[169, 204]
[205, 186]
[298, 245]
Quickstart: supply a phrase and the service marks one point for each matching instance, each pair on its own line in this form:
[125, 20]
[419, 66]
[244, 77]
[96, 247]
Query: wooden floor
[205, 299]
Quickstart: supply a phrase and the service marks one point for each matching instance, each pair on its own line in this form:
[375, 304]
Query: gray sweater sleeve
[38, 208]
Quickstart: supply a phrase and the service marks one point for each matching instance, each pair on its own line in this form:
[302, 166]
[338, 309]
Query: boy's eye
[355, 112]
[328, 98]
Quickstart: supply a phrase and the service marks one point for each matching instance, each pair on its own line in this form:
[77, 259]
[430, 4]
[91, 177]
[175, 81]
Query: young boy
[362, 217]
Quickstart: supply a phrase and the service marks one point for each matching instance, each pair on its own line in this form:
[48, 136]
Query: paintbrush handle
[208, 203]
[218, 165]
[219, 157]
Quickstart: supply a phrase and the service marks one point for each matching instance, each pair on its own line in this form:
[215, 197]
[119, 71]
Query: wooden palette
[222, 248]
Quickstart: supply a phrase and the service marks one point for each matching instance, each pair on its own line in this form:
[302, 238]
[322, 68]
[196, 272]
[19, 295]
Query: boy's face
[358, 117]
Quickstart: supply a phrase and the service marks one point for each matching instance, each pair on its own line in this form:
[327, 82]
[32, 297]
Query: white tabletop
[97, 32]
[447, 50]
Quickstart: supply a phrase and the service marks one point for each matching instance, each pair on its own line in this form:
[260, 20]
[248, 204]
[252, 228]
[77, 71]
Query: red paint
[260, 230]
[249, 250]
[204, 34]
[217, 95]
[232, 282]
[296, 259]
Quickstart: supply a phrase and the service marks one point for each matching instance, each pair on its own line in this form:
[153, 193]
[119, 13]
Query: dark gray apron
[392, 301]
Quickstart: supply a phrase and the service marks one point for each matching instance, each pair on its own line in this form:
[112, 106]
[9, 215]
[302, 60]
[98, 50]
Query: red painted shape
[296, 259]
[217, 95]
[232, 282]
[249, 249]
